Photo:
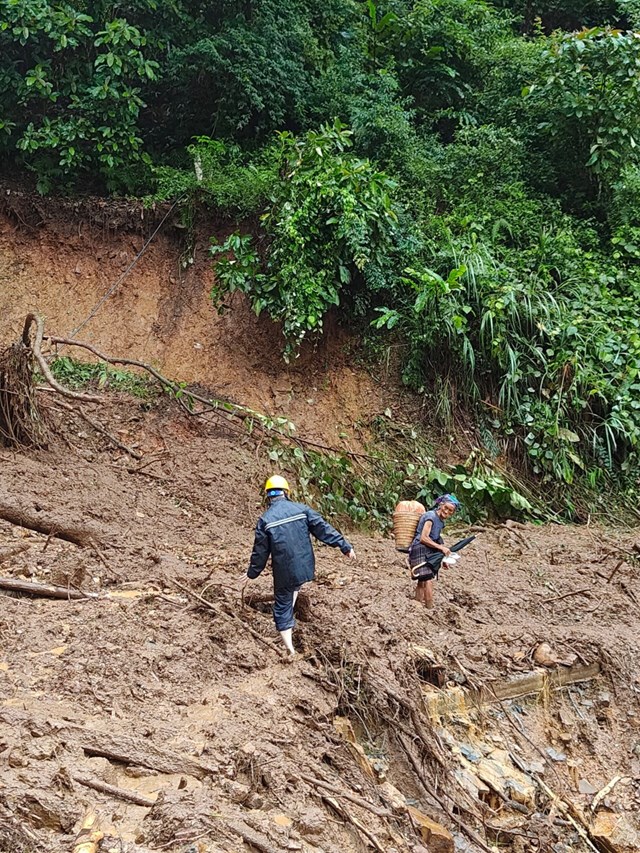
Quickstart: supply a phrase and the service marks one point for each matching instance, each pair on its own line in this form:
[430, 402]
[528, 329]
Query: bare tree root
[36, 348]
[21, 423]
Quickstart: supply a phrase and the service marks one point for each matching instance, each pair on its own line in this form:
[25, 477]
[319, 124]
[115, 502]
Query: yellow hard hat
[276, 482]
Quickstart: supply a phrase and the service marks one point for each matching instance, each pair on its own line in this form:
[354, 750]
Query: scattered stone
[139, 772]
[238, 792]
[470, 753]
[311, 821]
[435, 836]
[555, 754]
[614, 831]
[544, 655]
[585, 787]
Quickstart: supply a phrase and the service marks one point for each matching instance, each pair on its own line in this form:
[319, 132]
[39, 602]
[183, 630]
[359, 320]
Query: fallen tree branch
[44, 590]
[81, 536]
[101, 430]
[223, 612]
[358, 801]
[122, 748]
[223, 408]
[113, 791]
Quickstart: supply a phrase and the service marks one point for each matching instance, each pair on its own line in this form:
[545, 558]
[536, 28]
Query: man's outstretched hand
[351, 554]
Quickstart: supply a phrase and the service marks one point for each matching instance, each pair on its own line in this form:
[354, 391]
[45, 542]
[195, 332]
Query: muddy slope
[373, 738]
[77, 266]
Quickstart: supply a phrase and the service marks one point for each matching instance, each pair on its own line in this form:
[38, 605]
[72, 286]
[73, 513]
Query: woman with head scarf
[428, 545]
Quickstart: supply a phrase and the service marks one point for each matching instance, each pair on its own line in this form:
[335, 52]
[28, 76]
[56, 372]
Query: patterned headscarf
[448, 499]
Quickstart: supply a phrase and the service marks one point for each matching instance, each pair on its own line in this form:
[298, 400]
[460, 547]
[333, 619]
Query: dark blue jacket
[283, 532]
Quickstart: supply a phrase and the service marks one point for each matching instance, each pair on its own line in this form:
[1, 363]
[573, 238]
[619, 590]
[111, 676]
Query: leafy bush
[70, 90]
[83, 374]
[589, 85]
[221, 176]
[331, 222]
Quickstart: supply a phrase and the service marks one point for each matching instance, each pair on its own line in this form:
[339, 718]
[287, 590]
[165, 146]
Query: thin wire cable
[119, 281]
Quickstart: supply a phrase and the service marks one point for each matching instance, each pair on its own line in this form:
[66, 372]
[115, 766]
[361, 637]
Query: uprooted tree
[22, 367]
[21, 421]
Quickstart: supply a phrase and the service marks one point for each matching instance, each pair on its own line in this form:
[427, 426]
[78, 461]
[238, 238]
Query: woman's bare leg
[427, 599]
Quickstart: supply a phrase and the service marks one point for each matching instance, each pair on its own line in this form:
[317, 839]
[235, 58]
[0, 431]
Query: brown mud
[184, 708]
[506, 718]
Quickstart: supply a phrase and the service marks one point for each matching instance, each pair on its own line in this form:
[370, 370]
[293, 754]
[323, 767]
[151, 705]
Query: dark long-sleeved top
[283, 532]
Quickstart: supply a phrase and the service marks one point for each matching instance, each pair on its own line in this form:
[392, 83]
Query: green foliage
[399, 465]
[442, 51]
[70, 90]
[482, 213]
[482, 490]
[330, 223]
[589, 84]
[222, 177]
[549, 355]
[82, 374]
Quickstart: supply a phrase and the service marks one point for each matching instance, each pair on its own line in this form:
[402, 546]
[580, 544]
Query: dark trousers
[283, 608]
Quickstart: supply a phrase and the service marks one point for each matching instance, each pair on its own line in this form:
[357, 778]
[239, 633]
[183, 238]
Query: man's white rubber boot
[286, 636]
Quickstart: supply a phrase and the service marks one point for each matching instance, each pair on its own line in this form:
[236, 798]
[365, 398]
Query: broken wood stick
[251, 837]
[121, 748]
[599, 797]
[586, 590]
[89, 837]
[45, 590]
[615, 571]
[21, 517]
[112, 790]
[358, 801]
[222, 612]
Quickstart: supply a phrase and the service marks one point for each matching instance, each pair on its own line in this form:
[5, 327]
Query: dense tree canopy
[458, 174]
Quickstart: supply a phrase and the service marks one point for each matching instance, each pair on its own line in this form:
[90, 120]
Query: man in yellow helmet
[283, 532]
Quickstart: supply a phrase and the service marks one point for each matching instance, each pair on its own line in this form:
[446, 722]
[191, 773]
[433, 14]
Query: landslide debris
[180, 726]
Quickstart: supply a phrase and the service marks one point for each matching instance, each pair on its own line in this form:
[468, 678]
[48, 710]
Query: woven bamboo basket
[405, 521]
